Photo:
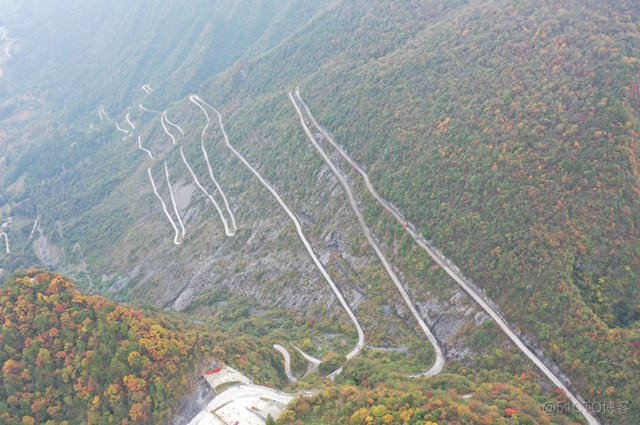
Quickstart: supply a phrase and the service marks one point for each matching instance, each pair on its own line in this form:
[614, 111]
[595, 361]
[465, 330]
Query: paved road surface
[211, 198]
[140, 146]
[173, 200]
[195, 99]
[287, 362]
[240, 399]
[314, 360]
[149, 110]
[102, 111]
[8, 55]
[129, 121]
[10, 40]
[226, 375]
[162, 118]
[438, 365]
[166, 118]
[304, 240]
[126, 132]
[461, 281]
[6, 239]
[34, 228]
[164, 208]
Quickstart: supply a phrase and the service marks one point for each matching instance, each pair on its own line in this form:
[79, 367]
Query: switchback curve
[458, 278]
[164, 208]
[440, 360]
[193, 99]
[287, 361]
[304, 240]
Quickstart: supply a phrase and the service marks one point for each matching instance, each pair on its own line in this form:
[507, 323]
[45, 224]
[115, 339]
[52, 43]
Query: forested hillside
[506, 131]
[446, 399]
[71, 358]
[67, 356]
[509, 132]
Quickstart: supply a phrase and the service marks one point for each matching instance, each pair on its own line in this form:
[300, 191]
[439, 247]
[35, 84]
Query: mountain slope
[510, 135]
[68, 357]
[85, 54]
[506, 131]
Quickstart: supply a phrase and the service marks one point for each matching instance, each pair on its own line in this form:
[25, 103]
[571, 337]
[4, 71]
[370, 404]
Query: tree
[331, 362]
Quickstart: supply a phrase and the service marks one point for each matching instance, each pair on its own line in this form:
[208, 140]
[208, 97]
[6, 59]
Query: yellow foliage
[361, 414]
[132, 357]
[78, 298]
[136, 411]
[379, 411]
[349, 390]
[406, 415]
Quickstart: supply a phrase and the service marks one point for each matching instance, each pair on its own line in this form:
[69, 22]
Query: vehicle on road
[216, 370]
[405, 224]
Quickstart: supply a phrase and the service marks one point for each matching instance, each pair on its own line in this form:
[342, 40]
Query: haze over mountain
[424, 186]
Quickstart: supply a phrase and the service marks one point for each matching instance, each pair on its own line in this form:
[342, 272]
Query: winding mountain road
[147, 89]
[129, 121]
[461, 280]
[34, 228]
[163, 119]
[164, 208]
[195, 99]
[172, 124]
[165, 127]
[146, 150]
[287, 362]
[126, 132]
[149, 110]
[440, 360]
[102, 111]
[211, 198]
[10, 40]
[304, 240]
[173, 200]
[6, 239]
[311, 359]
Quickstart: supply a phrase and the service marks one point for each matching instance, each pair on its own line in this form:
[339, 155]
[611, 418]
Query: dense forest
[72, 358]
[68, 357]
[446, 399]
